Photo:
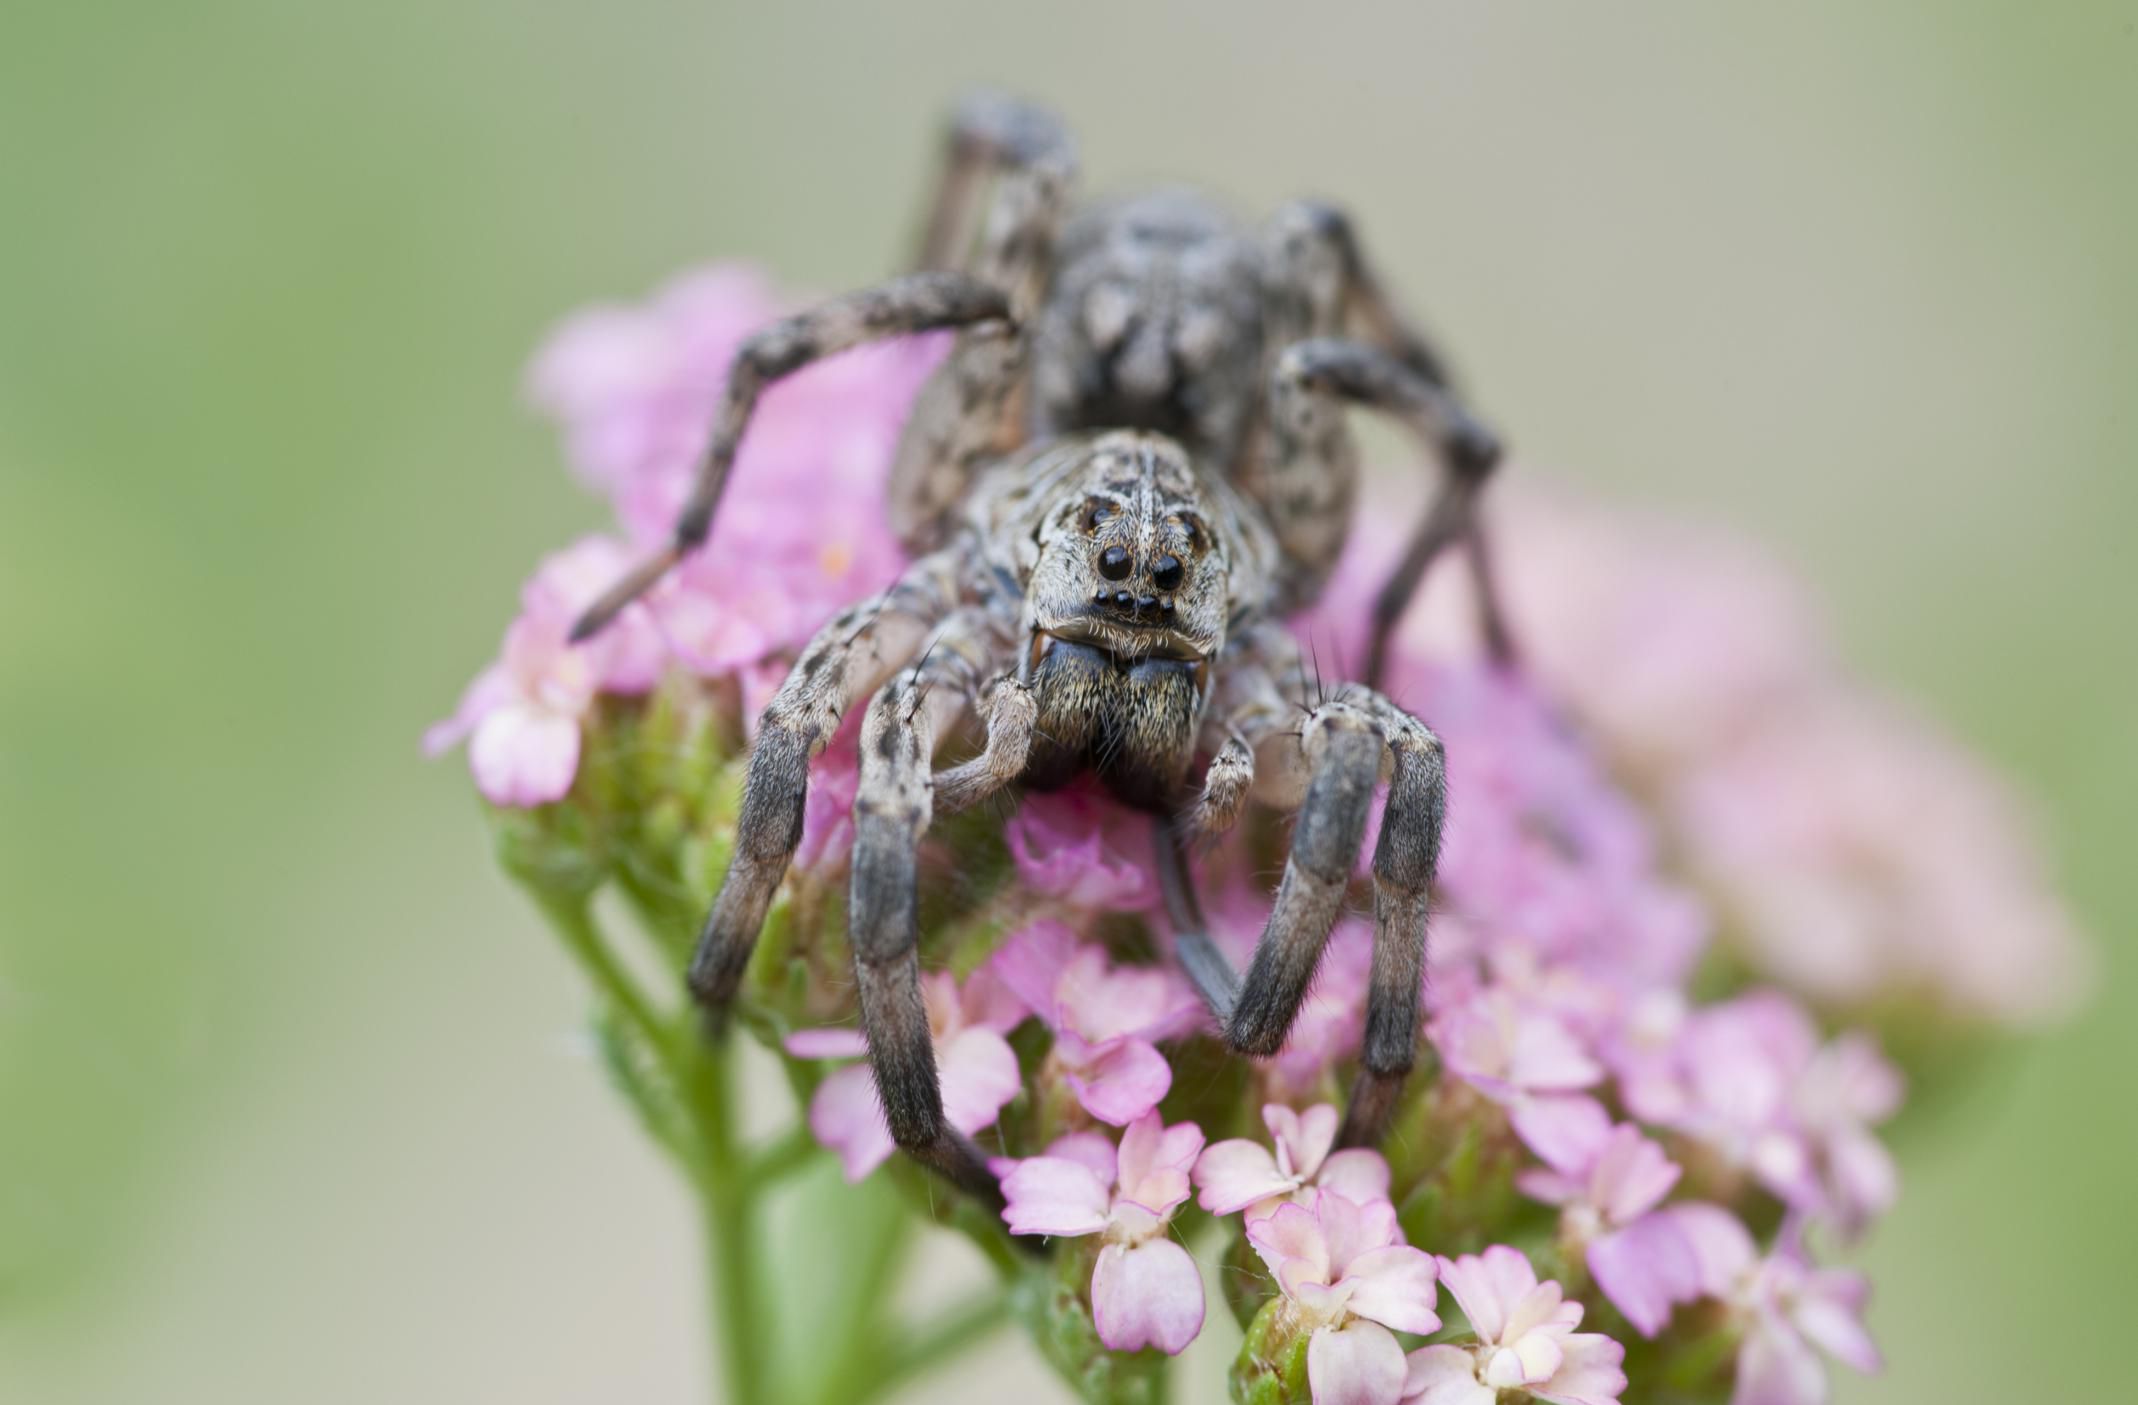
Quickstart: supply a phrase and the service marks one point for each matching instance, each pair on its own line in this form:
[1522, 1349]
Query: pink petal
[1445, 1375]
[1558, 1127]
[1154, 1161]
[1031, 963]
[1394, 1287]
[826, 1042]
[845, 1115]
[979, 1076]
[1830, 1313]
[1236, 1174]
[1591, 1372]
[1644, 1269]
[1148, 1294]
[524, 755]
[1291, 1234]
[1089, 1149]
[1488, 1286]
[1054, 1195]
[1721, 1245]
[491, 689]
[1777, 1367]
[1304, 1138]
[1122, 1083]
[1357, 1364]
[1358, 1174]
[1632, 1175]
[988, 1001]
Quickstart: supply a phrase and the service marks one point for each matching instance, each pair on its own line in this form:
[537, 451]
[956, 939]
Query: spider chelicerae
[1131, 466]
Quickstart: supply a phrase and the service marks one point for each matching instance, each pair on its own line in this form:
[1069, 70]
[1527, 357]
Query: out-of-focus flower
[976, 1065]
[1856, 850]
[1106, 1019]
[1145, 1289]
[1243, 1175]
[1079, 848]
[1525, 1341]
[1525, 1060]
[828, 809]
[1789, 1309]
[1637, 1256]
[521, 716]
[1349, 1279]
[1749, 1078]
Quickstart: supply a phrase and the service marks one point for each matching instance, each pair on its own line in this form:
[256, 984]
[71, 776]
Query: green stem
[573, 919]
[774, 1161]
[730, 1233]
[921, 1350]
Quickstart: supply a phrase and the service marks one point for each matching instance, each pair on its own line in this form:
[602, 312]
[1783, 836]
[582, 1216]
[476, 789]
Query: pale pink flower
[1525, 1341]
[1106, 1019]
[1858, 850]
[1349, 1279]
[1080, 847]
[828, 808]
[1525, 1060]
[521, 716]
[1609, 1194]
[1145, 1289]
[1243, 1175]
[977, 1069]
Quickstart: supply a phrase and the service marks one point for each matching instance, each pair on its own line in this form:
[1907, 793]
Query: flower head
[1609, 1190]
[1106, 1018]
[1349, 1279]
[1145, 1289]
[1243, 1175]
[1525, 1341]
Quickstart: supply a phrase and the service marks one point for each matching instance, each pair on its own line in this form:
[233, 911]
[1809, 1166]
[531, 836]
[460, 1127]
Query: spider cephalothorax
[1132, 463]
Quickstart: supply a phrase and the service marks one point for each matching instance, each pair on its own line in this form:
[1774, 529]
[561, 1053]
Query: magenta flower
[1525, 1341]
[1349, 1279]
[1084, 850]
[1106, 1018]
[1145, 1289]
[521, 716]
[1525, 1060]
[1637, 1255]
[977, 1067]
[1243, 1175]
[828, 808]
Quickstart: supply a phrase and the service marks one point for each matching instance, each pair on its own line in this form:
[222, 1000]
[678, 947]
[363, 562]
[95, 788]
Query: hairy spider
[1131, 466]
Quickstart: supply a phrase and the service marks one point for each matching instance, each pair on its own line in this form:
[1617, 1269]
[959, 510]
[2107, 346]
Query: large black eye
[1096, 512]
[1115, 563]
[1166, 573]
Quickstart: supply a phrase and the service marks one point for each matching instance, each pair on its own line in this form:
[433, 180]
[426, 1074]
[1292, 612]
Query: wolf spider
[1131, 466]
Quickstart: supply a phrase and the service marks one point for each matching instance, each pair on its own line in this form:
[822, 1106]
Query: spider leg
[1312, 381]
[1342, 747]
[850, 656]
[1331, 288]
[1227, 781]
[988, 131]
[970, 410]
[891, 812]
[1011, 712]
[918, 302]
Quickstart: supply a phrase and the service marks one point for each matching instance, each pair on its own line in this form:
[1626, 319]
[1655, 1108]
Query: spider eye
[1115, 563]
[1095, 513]
[1166, 573]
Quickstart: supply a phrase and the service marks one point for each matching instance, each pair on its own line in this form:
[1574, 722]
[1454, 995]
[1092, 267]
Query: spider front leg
[847, 659]
[919, 302]
[1341, 749]
[892, 811]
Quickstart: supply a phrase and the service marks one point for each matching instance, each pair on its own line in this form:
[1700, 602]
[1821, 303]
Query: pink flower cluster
[633, 388]
[1852, 850]
[1678, 704]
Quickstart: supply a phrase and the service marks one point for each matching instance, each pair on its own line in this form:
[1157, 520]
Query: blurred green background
[291, 1100]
